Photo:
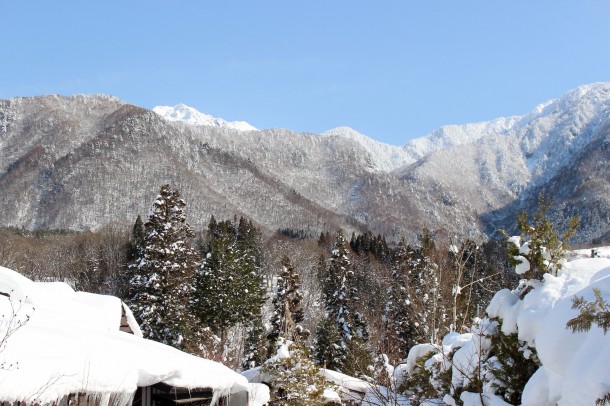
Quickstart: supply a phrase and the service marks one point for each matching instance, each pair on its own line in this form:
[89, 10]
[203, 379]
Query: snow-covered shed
[58, 345]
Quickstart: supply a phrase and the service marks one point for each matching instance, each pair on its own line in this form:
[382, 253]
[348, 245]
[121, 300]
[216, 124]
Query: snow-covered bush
[418, 383]
[294, 378]
[512, 364]
[539, 249]
[534, 348]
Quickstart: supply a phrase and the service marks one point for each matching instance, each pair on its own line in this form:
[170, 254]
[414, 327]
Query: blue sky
[393, 70]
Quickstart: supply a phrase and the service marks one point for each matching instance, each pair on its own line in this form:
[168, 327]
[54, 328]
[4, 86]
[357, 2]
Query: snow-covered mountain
[385, 157]
[561, 149]
[182, 112]
[467, 180]
[454, 135]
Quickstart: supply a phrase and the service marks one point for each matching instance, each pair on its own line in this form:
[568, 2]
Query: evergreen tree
[400, 334]
[347, 352]
[539, 248]
[590, 312]
[294, 378]
[229, 288]
[514, 364]
[425, 293]
[161, 284]
[138, 233]
[287, 310]
[254, 348]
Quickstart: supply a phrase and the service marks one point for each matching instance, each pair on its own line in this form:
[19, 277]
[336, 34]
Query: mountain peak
[191, 116]
[385, 157]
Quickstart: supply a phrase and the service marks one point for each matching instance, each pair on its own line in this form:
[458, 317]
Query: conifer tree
[137, 236]
[161, 284]
[347, 353]
[294, 378]
[400, 334]
[287, 309]
[229, 288]
[539, 248]
[255, 352]
[590, 312]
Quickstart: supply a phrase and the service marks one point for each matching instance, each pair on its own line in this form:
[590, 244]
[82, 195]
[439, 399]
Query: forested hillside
[466, 180]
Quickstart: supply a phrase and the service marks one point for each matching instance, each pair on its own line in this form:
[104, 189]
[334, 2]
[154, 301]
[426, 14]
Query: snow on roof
[72, 343]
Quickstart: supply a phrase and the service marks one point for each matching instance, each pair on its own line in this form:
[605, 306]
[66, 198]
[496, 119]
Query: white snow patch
[188, 115]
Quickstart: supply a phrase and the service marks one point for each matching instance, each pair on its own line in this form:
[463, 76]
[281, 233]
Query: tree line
[232, 295]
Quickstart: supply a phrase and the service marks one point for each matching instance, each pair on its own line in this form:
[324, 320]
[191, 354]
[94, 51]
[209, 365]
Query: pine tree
[400, 334]
[255, 346]
[512, 368]
[229, 288]
[347, 353]
[161, 284]
[294, 378]
[287, 310]
[539, 248]
[590, 312]
[137, 237]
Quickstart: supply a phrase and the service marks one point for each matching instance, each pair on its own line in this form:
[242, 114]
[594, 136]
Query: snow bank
[258, 394]
[574, 367]
[346, 382]
[72, 343]
[382, 396]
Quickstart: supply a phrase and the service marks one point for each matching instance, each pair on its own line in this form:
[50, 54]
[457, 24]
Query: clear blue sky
[393, 70]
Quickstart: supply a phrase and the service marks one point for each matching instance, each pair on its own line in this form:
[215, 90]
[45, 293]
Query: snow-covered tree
[400, 332]
[294, 378]
[539, 248]
[255, 349]
[287, 309]
[345, 352]
[161, 284]
[425, 291]
[229, 288]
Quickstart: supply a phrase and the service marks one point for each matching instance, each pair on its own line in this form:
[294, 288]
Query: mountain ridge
[51, 146]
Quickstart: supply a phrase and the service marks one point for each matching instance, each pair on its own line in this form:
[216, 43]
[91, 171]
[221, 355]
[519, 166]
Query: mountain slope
[384, 157]
[84, 161]
[548, 151]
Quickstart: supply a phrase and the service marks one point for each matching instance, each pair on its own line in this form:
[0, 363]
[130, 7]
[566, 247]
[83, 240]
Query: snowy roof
[69, 342]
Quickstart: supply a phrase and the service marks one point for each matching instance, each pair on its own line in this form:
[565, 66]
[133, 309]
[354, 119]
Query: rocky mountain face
[83, 161]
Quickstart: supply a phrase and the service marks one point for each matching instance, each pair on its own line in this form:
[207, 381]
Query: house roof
[61, 342]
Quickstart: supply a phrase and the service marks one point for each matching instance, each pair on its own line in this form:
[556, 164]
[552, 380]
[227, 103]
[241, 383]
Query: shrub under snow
[573, 364]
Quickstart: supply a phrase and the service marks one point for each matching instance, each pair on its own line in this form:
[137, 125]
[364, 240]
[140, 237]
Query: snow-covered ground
[55, 342]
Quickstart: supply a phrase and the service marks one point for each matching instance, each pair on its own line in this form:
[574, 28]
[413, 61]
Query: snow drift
[574, 365]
